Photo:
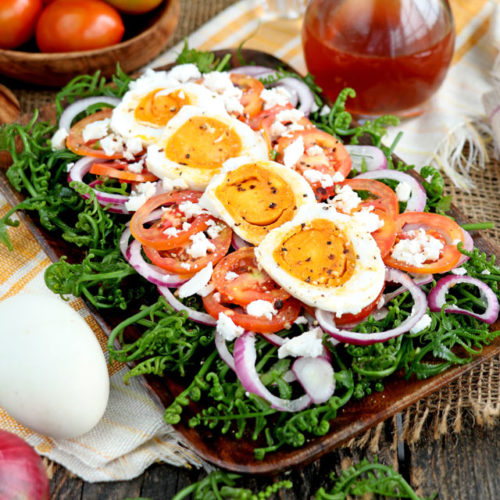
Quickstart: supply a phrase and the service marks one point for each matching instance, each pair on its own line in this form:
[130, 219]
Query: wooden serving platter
[238, 455]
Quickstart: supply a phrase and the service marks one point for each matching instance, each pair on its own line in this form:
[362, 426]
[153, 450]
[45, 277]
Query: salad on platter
[271, 265]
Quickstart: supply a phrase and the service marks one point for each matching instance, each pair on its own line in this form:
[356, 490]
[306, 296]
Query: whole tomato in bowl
[134, 6]
[17, 21]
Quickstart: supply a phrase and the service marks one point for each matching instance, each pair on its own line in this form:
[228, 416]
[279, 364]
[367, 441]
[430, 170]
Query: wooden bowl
[145, 36]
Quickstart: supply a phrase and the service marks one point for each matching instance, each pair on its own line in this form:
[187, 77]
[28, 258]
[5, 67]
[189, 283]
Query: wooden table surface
[461, 466]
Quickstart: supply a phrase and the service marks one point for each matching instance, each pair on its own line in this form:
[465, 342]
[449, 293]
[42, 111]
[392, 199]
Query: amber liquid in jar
[393, 53]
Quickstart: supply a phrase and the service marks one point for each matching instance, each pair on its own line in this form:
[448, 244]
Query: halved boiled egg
[196, 143]
[325, 259]
[146, 109]
[256, 196]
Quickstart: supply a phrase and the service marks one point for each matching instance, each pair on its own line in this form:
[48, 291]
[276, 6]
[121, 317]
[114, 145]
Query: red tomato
[135, 6]
[386, 235]
[118, 170]
[251, 283]
[287, 314]
[74, 25]
[17, 21]
[75, 141]
[155, 236]
[348, 318]
[251, 88]
[438, 226]
[381, 195]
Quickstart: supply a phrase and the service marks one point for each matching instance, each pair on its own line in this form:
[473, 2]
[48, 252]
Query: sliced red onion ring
[252, 70]
[371, 157]
[418, 279]
[274, 339]
[468, 245]
[77, 107]
[437, 298]
[124, 239]
[245, 356]
[418, 196]
[114, 202]
[326, 319]
[315, 375]
[153, 274]
[238, 242]
[197, 316]
[221, 346]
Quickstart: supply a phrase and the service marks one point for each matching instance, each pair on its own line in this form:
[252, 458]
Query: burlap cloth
[476, 393]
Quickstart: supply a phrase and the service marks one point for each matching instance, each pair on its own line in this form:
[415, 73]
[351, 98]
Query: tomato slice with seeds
[381, 196]
[286, 315]
[437, 226]
[178, 260]
[322, 152]
[118, 170]
[385, 237]
[75, 141]
[150, 230]
[250, 284]
[349, 318]
[252, 88]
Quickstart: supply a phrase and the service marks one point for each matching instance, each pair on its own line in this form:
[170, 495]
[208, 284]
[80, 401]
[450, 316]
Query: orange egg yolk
[257, 199]
[203, 142]
[157, 109]
[317, 253]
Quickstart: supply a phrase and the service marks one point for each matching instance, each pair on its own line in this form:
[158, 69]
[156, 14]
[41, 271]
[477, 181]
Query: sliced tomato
[286, 315]
[385, 237]
[178, 260]
[75, 141]
[436, 225]
[153, 235]
[381, 196]
[333, 158]
[250, 284]
[349, 318]
[118, 170]
[252, 88]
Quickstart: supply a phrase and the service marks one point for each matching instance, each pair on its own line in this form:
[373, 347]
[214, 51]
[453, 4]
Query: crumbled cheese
[213, 230]
[185, 72]
[186, 226]
[133, 145]
[173, 184]
[200, 246]
[111, 144]
[197, 283]
[221, 84]
[226, 327]
[278, 96]
[420, 248]
[261, 308]
[58, 140]
[315, 150]
[69, 166]
[230, 276]
[136, 167]
[171, 232]
[206, 290]
[403, 191]
[140, 194]
[368, 220]
[313, 175]
[346, 199]
[190, 209]
[186, 265]
[308, 344]
[421, 324]
[293, 152]
[325, 110]
[301, 320]
[459, 271]
[486, 271]
[95, 130]
[289, 115]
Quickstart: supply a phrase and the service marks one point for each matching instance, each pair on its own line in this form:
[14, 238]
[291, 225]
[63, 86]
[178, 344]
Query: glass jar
[393, 53]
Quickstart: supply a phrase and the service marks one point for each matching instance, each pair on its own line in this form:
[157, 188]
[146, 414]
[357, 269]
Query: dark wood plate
[355, 418]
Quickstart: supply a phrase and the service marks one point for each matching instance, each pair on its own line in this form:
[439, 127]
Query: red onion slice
[374, 158]
[197, 316]
[418, 279]
[418, 196]
[238, 242]
[77, 107]
[326, 319]
[252, 70]
[315, 375]
[437, 298]
[113, 202]
[245, 356]
[221, 346]
[152, 273]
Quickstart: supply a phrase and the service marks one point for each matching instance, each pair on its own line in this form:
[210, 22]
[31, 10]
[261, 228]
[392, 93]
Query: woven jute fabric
[476, 393]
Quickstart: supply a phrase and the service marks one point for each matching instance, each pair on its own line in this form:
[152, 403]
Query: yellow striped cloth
[132, 434]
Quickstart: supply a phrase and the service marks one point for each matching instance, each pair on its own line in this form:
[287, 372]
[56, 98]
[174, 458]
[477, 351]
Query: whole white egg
[53, 374]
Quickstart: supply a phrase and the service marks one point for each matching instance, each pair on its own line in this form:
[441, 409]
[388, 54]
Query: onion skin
[22, 473]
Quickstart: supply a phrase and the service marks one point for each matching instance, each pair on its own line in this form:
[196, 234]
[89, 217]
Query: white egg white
[159, 164]
[303, 193]
[360, 290]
